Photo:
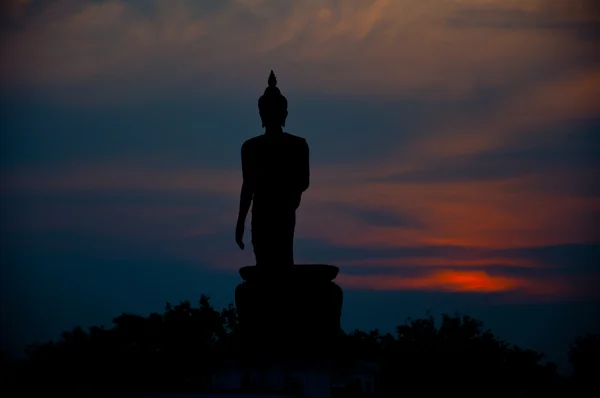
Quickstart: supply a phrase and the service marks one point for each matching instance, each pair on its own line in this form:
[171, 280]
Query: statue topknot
[272, 100]
[272, 79]
[272, 91]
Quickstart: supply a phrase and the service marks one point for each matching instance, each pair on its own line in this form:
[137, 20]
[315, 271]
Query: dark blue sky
[454, 148]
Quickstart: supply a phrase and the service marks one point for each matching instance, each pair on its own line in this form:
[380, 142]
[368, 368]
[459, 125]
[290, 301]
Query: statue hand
[239, 235]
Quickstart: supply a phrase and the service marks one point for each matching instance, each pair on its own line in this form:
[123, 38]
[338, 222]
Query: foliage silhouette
[584, 355]
[175, 352]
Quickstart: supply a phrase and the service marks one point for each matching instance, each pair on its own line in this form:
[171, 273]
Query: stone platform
[290, 313]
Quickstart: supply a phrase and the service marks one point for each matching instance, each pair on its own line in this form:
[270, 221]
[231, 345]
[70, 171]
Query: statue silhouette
[275, 168]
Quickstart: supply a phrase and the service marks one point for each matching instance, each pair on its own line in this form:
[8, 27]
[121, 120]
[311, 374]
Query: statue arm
[248, 184]
[305, 167]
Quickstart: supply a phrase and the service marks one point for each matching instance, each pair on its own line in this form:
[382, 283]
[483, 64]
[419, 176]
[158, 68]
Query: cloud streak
[351, 46]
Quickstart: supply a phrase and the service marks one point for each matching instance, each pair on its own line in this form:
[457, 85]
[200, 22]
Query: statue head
[272, 105]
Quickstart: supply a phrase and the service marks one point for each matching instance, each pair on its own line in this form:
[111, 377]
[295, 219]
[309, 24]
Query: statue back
[278, 165]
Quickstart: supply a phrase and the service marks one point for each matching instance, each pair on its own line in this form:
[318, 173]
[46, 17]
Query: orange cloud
[489, 214]
[126, 176]
[510, 289]
[451, 281]
[133, 222]
[475, 216]
[437, 262]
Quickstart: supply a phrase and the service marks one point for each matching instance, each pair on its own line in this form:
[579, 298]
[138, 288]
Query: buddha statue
[275, 170]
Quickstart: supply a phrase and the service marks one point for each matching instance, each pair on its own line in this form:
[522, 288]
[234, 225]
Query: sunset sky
[454, 150]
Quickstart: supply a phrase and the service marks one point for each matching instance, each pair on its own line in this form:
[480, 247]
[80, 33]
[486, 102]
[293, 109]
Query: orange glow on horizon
[450, 281]
[482, 261]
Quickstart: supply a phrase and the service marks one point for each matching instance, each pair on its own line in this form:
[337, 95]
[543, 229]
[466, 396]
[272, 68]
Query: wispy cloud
[384, 47]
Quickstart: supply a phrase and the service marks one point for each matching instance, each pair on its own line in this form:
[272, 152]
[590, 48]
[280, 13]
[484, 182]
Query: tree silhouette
[169, 352]
[176, 351]
[459, 356]
[584, 355]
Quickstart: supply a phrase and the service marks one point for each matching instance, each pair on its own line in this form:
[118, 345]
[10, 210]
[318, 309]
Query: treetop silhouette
[177, 351]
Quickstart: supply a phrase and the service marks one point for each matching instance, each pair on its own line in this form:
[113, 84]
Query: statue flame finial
[272, 100]
[272, 79]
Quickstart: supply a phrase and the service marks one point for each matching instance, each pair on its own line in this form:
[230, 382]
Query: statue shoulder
[251, 143]
[297, 139]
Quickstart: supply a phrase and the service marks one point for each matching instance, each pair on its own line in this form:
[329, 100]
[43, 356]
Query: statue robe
[277, 167]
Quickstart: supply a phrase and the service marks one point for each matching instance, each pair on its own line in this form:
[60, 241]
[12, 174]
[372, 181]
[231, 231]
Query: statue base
[291, 312]
[289, 316]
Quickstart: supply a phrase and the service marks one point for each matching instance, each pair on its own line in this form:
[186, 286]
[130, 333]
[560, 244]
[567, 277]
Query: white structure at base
[313, 382]
[361, 374]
